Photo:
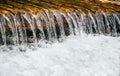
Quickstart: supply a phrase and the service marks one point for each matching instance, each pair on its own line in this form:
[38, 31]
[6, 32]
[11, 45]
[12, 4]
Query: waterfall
[46, 24]
[118, 23]
[52, 25]
[14, 39]
[60, 23]
[39, 25]
[19, 27]
[69, 21]
[2, 28]
[74, 23]
[30, 18]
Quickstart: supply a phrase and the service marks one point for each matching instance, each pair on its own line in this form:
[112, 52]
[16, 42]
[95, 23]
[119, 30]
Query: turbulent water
[52, 25]
[75, 56]
[56, 43]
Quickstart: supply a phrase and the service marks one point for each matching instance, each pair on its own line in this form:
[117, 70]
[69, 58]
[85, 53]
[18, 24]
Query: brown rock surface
[64, 5]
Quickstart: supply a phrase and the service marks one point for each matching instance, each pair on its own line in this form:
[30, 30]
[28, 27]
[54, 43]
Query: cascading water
[2, 28]
[69, 21]
[53, 24]
[39, 23]
[46, 24]
[30, 18]
[60, 23]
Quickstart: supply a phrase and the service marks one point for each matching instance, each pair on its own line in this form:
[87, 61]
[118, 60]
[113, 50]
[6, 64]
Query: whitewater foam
[75, 56]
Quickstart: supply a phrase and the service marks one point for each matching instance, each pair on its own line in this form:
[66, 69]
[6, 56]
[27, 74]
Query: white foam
[75, 56]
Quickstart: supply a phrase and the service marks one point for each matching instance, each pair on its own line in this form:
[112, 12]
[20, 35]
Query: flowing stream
[53, 25]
